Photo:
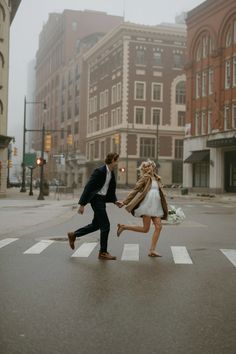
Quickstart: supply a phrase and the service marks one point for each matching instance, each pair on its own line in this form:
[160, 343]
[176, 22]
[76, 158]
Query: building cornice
[129, 28]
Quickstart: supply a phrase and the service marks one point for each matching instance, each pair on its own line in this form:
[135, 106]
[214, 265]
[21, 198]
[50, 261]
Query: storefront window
[201, 175]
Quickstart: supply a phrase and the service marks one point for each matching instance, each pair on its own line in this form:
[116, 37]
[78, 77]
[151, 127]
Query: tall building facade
[8, 10]
[58, 78]
[136, 99]
[210, 143]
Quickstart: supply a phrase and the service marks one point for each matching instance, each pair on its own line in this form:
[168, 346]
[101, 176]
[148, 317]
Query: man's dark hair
[111, 156]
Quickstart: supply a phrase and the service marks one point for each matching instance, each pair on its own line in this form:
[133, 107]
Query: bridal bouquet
[175, 215]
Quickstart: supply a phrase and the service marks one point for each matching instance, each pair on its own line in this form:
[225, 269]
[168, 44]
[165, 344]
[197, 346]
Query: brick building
[210, 143]
[136, 99]
[58, 85]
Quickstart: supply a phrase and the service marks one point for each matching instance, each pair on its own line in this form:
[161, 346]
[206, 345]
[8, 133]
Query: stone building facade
[210, 143]
[8, 10]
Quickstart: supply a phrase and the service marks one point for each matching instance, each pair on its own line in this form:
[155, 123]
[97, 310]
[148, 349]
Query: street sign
[30, 159]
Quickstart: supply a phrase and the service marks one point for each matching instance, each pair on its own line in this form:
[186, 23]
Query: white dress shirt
[103, 190]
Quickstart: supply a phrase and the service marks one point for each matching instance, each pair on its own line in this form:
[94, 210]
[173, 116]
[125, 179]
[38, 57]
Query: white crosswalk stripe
[180, 255]
[230, 254]
[39, 247]
[130, 252]
[85, 249]
[7, 241]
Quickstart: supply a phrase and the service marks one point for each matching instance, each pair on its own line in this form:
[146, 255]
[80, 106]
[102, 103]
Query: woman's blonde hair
[145, 164]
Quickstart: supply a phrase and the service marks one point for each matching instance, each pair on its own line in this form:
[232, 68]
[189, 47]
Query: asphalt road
[52, 303]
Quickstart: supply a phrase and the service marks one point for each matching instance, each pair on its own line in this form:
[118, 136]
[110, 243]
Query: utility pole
[41, 197]
[23, 189]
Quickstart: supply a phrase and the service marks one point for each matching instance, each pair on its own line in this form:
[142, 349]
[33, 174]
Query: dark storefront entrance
[230, 171]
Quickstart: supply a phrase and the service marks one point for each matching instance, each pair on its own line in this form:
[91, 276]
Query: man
[99, 190]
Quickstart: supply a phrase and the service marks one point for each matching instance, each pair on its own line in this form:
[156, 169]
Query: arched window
[228, 38]
[180, 93]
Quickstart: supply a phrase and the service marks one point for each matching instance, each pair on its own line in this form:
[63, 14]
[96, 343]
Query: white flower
[175, 215]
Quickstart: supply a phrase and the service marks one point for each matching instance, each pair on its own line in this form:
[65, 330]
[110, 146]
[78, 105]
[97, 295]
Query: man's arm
[91, 187]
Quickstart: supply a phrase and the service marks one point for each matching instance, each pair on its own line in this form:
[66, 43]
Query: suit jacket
[139, 192]
[94, 185]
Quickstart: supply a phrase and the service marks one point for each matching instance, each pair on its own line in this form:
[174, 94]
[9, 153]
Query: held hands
[119, 203]
[81, 209]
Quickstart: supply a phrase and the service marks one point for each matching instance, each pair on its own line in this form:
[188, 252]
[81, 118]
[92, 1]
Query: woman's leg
[158, 226]
[145, 228]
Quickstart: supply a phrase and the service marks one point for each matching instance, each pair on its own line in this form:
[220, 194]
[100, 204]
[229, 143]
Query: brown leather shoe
[71, 239]
[106, 256]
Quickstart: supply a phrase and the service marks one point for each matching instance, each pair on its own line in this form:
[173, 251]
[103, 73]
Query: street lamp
[23, 189]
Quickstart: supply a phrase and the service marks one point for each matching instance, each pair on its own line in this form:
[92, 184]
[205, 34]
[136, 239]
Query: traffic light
[9, 163]
[122, 169]
[15, 151]
[40, 161]
[70, 139]
[48, 142]
[117, 139]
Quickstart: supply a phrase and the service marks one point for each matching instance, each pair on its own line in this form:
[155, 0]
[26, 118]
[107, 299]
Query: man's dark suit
[98, 204]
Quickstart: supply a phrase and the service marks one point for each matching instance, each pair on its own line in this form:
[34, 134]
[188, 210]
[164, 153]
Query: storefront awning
[198, 156]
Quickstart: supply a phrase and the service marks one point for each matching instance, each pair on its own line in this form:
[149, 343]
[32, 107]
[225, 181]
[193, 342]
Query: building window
[178, 62]
[228, 41]
[76, 128]
[198, 85]
[235, 31]
[147, 148]
[156, 116]
[205, 46]
[199, 52]
[204, 84]
[210, 80]
[113, 94]
[227, 74]
[179, 149]
[118, 92]
[234, 71]
[118, 115]
[203, 123]
[74, 25]
[157, 58]
[226, 118]
[140, 57]
[139, 115]
[1, 107]
[156, 92]
[181, 118]
[113, 118]
[201, 175]
[180, 93]
[197, 124]
[209, 122]
[139, 90]
[234, 116]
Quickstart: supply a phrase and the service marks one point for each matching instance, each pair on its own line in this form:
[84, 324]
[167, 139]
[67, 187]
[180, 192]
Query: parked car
[14, 182]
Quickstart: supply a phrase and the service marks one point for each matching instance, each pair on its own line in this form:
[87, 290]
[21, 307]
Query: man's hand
[119, 203]
[81, 209]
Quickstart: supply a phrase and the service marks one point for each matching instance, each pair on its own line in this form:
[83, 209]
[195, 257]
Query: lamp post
[41, 197]
[23, 189]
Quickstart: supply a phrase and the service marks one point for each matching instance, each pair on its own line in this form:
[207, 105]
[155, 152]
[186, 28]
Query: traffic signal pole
[41, 196]
[23, 189]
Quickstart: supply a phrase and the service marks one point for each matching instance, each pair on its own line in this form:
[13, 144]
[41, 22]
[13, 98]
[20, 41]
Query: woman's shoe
[154, 254]
[120, 229]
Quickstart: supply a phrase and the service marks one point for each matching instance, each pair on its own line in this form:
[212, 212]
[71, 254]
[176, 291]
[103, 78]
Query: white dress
[151, 204]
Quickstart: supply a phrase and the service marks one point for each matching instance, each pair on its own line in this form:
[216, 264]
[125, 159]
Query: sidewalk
[21, 213]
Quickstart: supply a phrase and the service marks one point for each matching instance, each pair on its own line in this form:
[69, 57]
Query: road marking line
[7, 241]
[230, 254]
[180, 255]
[130, 252]
[85, 249]
[39, 247]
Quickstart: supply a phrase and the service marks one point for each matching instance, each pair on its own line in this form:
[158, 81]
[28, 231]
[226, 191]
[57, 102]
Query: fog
[31, 16]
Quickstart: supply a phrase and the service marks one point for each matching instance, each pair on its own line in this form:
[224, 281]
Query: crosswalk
[131, 252]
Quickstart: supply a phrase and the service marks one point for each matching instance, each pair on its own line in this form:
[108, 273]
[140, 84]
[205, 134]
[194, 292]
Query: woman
[147, 201]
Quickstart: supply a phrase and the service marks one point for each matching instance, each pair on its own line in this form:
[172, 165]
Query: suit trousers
[100, 221]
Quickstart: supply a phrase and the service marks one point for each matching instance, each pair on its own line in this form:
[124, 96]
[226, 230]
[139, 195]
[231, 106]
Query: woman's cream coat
[140, 190]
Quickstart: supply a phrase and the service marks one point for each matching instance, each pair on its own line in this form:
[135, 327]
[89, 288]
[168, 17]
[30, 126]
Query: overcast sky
[33, 13]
